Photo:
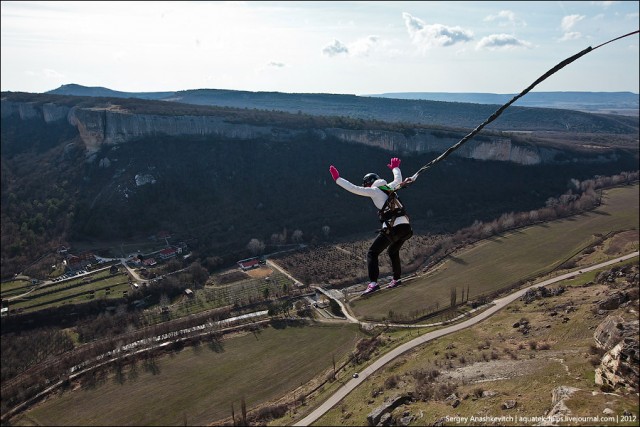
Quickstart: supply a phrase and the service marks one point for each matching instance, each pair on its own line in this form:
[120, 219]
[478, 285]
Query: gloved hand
[334, 172]
[395, 163]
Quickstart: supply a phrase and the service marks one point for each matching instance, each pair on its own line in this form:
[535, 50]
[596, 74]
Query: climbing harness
[390, 211]
[392, 208]
[499, 111]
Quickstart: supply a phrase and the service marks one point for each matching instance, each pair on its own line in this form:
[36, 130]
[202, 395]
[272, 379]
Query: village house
[248, 264]
[167, 253]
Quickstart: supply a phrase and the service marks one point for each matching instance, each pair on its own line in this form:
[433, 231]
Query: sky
[341, 47]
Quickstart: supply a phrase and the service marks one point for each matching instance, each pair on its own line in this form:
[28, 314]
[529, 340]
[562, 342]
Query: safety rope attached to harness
[499, 111]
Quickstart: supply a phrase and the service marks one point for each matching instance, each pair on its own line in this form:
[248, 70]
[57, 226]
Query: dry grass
[198, 385]
[258, 273]
[501, 261]
[559, 355]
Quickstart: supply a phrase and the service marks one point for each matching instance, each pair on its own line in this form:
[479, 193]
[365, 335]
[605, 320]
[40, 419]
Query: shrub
[391, 382]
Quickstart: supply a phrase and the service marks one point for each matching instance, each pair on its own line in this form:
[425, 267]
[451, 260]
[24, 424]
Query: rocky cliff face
[112, 125]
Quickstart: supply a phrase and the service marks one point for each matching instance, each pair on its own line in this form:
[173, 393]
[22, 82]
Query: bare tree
[255, 246]
[297, 236]
[243, 409]
[277, 238]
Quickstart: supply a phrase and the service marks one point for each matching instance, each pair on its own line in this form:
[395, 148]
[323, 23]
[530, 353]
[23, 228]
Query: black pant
[394, 241]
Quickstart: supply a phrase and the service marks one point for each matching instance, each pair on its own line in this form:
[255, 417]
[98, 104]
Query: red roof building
[168, 253]
[248, 264]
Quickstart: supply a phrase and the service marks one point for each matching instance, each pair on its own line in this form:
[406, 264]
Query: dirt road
[497, 305]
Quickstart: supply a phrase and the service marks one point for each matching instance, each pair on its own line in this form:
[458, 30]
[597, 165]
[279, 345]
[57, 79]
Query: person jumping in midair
[396, 228]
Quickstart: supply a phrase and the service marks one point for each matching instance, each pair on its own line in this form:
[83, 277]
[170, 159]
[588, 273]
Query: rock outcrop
[375, 417]
[619, 366]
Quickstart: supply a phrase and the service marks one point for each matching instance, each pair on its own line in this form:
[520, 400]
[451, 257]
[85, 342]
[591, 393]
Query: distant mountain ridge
[533, 99]
[567, 100]
[388, 109]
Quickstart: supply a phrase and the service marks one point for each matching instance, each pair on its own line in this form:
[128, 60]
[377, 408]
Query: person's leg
[402, 233]
[379, 244]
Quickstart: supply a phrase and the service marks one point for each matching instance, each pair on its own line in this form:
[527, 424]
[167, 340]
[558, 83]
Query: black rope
[505, 106]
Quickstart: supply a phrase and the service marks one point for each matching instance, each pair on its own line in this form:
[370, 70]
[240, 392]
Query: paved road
[386, 358]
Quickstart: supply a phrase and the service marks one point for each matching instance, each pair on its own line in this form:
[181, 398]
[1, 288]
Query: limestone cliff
[112, 124]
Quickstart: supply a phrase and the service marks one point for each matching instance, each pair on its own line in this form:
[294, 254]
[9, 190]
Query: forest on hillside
[220, 194]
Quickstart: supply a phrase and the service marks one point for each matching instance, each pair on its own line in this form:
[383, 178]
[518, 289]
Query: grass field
[14, 287]
[496, 357]
[500, 261]
[198, 385]
[101, 284]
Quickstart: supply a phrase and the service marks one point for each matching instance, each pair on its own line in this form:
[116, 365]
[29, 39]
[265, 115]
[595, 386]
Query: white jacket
[378, 196]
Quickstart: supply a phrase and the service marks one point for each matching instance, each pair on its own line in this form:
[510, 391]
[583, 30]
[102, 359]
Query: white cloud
[436, 35]
[274, 64]
[335, 48]
[361, 47]
[567, 24]
[506, 17]
[569, 21]
[502, 42]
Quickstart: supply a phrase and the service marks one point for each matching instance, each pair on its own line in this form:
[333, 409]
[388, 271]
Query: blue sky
[318, 47]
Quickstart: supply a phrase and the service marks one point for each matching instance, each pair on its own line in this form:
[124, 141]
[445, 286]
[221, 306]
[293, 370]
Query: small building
[248, 264]
[168, 253]
[189, 293]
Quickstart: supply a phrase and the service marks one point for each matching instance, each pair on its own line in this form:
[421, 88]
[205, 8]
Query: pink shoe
[393, 284]
[371, 287]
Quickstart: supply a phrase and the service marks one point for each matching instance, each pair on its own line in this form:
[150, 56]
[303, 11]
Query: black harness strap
[392, 208]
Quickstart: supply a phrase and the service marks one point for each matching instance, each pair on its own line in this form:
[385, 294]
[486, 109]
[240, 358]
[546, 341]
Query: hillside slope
[96, 170]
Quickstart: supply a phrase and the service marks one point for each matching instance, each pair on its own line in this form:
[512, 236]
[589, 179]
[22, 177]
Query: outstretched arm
[352, 188]
[394, 165]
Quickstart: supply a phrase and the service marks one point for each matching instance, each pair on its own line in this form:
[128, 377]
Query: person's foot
[393, 283]
[371, 287]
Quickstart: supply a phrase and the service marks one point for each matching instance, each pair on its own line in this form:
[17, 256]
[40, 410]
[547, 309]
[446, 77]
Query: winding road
[495, 306]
